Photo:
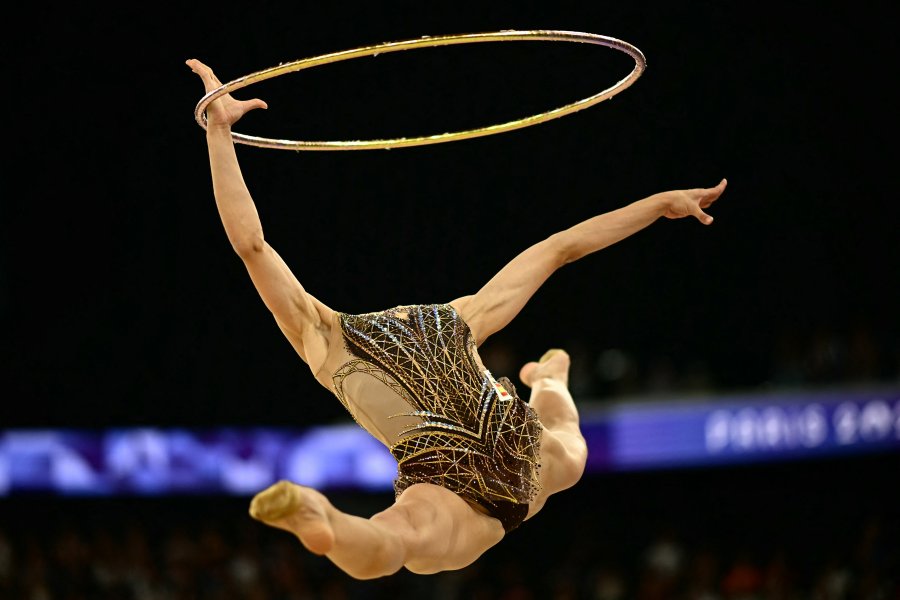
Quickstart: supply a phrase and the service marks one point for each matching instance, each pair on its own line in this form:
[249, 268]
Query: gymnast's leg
[563, 449]
[427, 530]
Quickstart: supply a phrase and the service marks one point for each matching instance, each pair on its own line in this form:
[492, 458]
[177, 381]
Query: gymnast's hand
[225, 111]
[690, 203]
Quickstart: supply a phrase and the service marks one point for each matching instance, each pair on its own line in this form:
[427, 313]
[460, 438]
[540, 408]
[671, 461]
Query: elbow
[248, 246]
[563, 249]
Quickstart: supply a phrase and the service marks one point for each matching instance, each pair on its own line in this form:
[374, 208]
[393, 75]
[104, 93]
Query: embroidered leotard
[412, 378]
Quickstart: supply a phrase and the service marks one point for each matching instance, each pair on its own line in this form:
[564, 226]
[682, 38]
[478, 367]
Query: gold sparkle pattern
[473, 435]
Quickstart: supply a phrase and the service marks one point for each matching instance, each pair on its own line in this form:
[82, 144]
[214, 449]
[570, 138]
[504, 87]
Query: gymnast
[474, 460]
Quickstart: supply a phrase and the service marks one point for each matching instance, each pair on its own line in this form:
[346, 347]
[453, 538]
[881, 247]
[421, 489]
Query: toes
[530, 370]
[526, 372]
[274, 502]
[551, 353]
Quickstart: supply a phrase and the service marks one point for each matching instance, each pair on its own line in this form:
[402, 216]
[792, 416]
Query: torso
[380, 382]
[411, 376]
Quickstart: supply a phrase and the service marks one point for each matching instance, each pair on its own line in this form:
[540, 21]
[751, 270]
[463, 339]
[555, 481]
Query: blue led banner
[627, 436]
[146, 461]
[742, 429]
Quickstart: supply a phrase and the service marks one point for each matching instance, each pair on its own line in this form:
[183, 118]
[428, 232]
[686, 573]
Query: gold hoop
[640, 64]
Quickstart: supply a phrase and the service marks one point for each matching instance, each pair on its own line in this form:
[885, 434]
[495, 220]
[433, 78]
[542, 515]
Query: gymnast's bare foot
[554, 364]
[300, 510]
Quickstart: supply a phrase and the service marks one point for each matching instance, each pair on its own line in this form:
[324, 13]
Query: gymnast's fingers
[701, 216]
[210, 81]
[705, 218]
[716, 191]
[254, 103]
[710, 195]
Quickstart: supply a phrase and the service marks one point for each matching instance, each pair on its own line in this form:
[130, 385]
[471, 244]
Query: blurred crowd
[823, 357]
[578, 548]
[811, 533]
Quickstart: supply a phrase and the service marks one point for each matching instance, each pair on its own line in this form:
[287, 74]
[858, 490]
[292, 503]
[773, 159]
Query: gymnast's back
[398, 369]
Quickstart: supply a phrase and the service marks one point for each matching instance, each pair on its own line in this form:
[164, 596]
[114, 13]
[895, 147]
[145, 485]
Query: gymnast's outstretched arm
[302, 318]
[500, 300]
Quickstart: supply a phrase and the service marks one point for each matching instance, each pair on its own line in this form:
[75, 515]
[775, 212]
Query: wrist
[218, 130]
[658, 204]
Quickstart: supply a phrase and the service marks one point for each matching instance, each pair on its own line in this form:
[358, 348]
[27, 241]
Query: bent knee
[564, 458]
[577, 459]
[556, 410]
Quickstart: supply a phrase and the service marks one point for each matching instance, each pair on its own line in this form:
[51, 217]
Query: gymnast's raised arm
[500, 300]
[302, 318]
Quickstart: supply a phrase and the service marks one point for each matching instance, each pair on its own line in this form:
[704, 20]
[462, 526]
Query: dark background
[123, 303]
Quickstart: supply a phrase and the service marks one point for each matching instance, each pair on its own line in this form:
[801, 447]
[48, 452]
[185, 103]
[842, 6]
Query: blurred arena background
[740, 384]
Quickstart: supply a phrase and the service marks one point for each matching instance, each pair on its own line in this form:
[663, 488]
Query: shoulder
[470, 312]
[463, 307]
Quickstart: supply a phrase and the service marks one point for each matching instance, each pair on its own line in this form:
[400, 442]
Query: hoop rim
[640, 64]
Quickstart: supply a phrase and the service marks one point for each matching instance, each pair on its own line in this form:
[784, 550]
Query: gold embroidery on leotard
[474, 436]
